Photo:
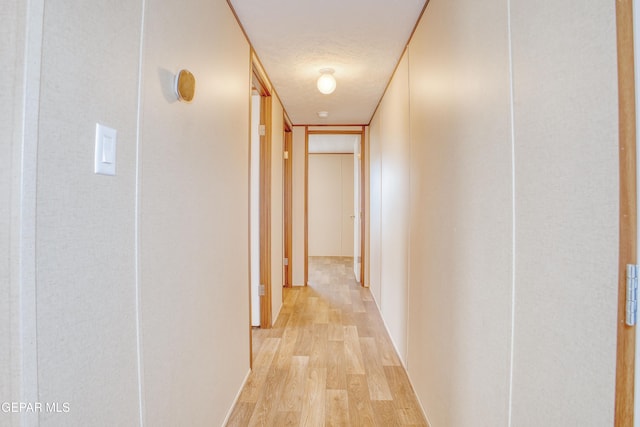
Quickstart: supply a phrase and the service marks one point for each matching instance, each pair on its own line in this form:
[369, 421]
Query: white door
[330, 184]
[255, 211]
[357, 208]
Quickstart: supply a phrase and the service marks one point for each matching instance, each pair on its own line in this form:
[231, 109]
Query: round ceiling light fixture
[326, 81]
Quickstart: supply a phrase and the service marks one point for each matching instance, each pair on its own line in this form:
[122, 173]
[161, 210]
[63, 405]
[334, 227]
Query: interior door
[357, 208]
[260, 204]
[254, 210]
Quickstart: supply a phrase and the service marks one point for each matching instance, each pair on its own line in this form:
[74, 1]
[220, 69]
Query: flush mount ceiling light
[323, 114]
[326, 81]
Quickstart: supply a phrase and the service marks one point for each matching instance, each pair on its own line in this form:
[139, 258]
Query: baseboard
[424, 412]
[235, 400]
[404, 365]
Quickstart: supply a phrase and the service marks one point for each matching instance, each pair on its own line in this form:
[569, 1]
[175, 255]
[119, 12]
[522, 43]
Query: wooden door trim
[625, 360]
[265, 212]
[334, 132]
[363, 203]
[308, 132]
[249, 241]
[306, 205]
[288, 204]
[260, 84]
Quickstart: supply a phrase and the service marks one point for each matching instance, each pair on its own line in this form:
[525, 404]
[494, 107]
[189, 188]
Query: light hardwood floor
[328, 360]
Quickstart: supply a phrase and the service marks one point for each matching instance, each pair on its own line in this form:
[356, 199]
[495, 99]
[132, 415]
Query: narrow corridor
[328, 360]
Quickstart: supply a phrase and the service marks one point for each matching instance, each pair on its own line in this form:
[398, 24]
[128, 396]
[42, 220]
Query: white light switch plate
[105, 157]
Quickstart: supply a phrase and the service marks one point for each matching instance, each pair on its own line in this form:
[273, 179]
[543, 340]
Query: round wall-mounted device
[185, 86]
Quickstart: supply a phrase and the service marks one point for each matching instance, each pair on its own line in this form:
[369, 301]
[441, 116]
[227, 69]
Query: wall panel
[461, 241]
[394, 212]
[566, 162]
[375, 201]
[347, 204]
[480, 154]
[11, 50]
[298, 205]
[194, 214]
[85, 244]
[367, 214]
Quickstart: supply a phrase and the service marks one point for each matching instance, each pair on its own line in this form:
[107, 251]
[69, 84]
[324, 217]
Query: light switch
[105, 156]
[108, 150]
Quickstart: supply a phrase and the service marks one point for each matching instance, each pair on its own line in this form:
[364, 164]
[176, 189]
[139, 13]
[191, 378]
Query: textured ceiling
[362, 40]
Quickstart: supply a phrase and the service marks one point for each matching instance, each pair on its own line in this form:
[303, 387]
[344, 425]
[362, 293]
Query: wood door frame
[363, 203]
[625, 360]
[363, 206]
[288, 205]
[306, 205]
[259, 83]
[265, 212]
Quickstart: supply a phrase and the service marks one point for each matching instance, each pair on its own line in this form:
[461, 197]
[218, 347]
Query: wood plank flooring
[328, 360]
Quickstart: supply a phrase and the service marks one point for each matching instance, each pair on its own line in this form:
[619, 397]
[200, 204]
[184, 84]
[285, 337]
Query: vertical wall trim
[266, 303]
[249, 169]
[636, 55]
[626, 335]
[363, 206]
[513, 215]
[24, 199]
[408, 265]
[306, 205]
[138, 279]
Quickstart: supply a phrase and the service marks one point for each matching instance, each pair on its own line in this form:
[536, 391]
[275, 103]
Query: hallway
[328, 360]
[499, 212]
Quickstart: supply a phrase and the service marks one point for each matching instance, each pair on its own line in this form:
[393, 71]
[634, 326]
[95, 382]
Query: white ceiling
[362, 40]
[332, 143]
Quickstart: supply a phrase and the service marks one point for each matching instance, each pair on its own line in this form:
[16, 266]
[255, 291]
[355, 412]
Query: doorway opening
[260, 205]
[288, 205]
[334, 199]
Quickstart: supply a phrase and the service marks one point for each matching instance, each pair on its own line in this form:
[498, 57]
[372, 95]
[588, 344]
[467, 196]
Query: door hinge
[262, 130]
[632, 294]
[286, 261]
[286, 155]
[261, 290]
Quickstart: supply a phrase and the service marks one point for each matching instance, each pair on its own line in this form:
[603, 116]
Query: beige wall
[85, 235]
[277, 206]
[194, 215]
[566, 163]
[298, 173]
[367, 214]
[470, 312]
[331, 204]
[461, 241]
[180, 196]
[11, 51]
[394, 207]
[374, 207]
[348, 205]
